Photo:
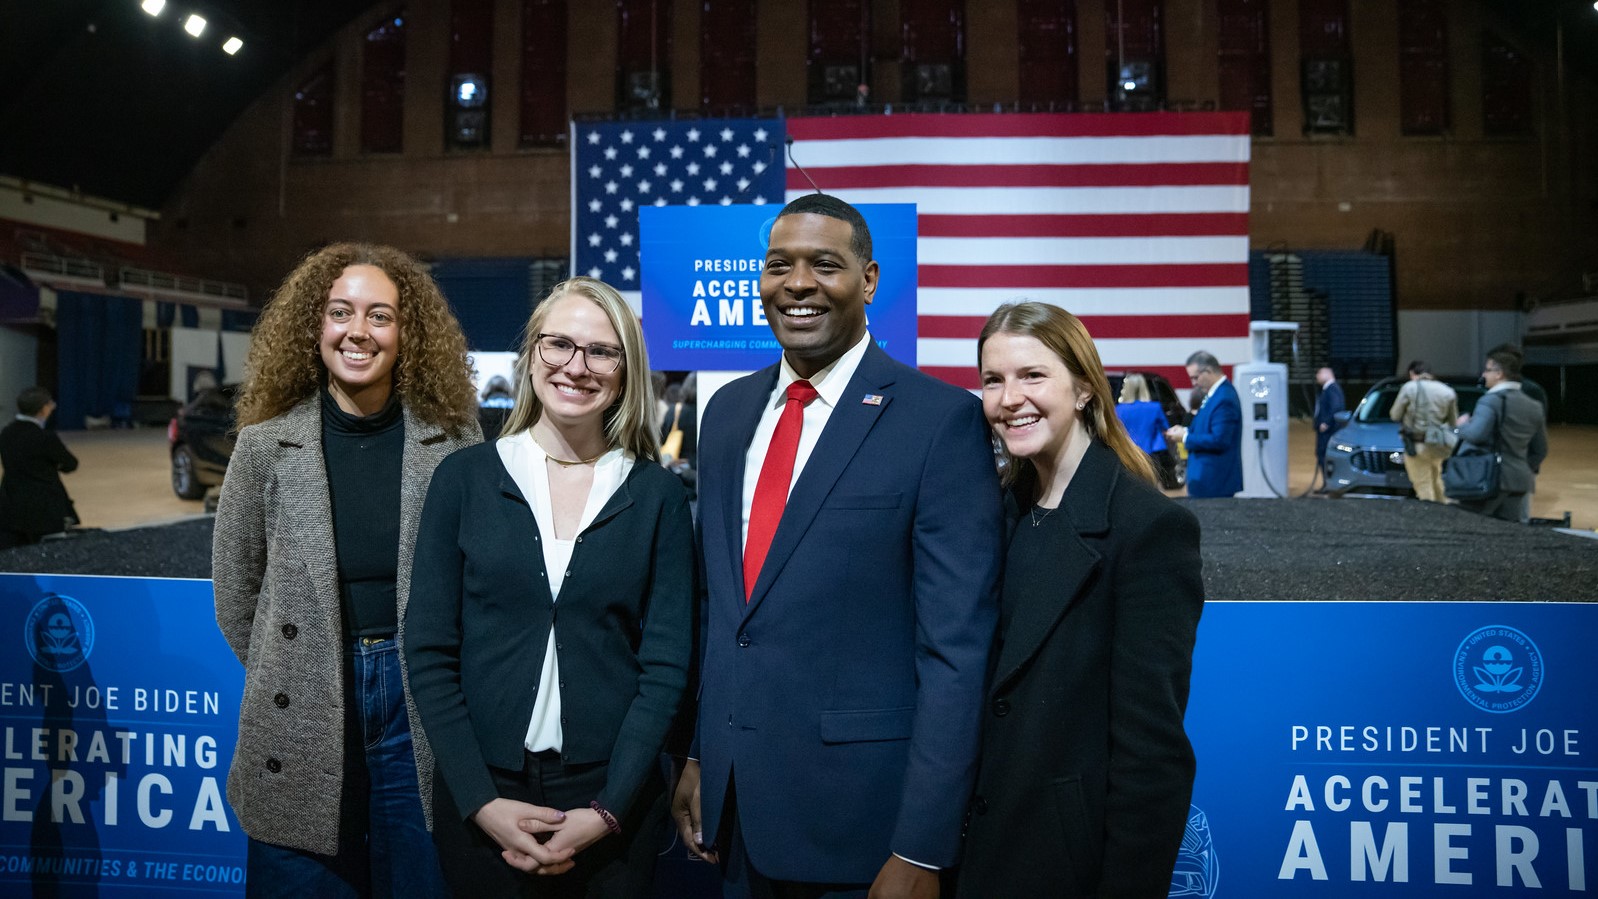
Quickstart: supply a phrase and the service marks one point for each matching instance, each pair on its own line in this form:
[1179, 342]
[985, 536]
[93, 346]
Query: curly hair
[431, 374]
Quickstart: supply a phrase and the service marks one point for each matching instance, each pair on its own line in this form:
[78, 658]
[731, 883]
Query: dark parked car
[1367, 455]
[200, 438]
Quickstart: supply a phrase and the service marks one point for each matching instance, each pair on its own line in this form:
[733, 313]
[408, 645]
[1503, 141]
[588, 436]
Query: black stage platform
[1298, 549]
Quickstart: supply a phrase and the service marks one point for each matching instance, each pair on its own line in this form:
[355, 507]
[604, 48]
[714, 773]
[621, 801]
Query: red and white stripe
[1135, 222]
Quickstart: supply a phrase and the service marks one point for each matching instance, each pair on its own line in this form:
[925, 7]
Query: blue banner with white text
[701, 285]
[119, 704]
[1393, 749]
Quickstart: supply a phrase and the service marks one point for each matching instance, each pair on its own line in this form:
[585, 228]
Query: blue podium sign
[119, 705]
[1393, 749]
[701, 285]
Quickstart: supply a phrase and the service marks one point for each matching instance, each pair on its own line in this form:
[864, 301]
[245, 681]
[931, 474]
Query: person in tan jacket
[357, 386]
[1426, 407]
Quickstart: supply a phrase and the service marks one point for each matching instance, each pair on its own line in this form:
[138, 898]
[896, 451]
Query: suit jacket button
[281, 700]
[743, 640]
[290, 632]
[274, 766]
[1001, 707]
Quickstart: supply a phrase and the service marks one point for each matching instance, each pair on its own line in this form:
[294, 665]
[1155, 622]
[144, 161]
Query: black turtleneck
[363, 456]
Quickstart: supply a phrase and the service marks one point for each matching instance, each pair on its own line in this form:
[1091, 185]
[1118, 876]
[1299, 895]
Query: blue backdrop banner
[701, 285]
[119, 704]
[1393, 749]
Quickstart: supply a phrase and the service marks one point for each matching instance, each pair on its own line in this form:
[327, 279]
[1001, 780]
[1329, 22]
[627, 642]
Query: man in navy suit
[1215, 438]
[846, 629]
[1327, 405]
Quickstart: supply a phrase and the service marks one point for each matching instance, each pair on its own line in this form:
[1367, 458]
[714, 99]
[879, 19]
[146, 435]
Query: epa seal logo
[1498, 669]
[1197, 872]
[59, 633]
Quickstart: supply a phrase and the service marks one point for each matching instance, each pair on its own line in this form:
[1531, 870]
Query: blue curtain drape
[99, 342]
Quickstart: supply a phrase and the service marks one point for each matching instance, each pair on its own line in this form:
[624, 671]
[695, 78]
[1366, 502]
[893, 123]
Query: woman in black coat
[551, 623]
[1086, 771]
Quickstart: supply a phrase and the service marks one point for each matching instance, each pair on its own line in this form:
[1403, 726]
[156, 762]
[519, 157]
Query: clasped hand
[516, 827]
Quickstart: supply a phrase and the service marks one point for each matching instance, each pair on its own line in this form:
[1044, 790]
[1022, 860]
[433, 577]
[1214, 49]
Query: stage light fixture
[232, 46]
[195, 26]
[153, 7]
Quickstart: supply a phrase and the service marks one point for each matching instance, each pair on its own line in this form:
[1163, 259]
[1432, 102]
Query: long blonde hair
[1066, 337]
[1134, 388]
[431, 372]
[630, 420]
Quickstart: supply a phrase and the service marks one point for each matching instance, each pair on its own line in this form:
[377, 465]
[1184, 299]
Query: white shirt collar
[830, 382]
[1504, 385]
[37, 421]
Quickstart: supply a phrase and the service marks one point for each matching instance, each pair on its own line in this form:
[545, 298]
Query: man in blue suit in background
[1327, 405]
[850, 530]
[1215, 439]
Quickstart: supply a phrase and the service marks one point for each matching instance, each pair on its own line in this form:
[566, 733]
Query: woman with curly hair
[357, 386]
[548, 725]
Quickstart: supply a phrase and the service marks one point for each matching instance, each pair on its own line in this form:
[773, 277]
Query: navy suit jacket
[845, 696]
[1215, 445]
[1327, 405]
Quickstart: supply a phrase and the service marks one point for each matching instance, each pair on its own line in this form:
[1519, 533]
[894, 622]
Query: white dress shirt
[829, 383]
[526, 462]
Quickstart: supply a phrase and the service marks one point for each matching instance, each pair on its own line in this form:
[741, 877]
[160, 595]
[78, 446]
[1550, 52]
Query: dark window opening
[1423, 67]
[727, 57]
[1326, 67]
[471, 60]
[543, 107]
[383, 86]
[1047, 53]
[313, 113]
[1244, 59]
[838, 67]
[1134, 32]
[643, 55]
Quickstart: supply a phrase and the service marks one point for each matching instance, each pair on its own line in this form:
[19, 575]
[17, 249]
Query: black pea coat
[1086, 770]
[33, 500]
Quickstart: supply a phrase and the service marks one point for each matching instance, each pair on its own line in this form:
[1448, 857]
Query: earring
[1081, 405]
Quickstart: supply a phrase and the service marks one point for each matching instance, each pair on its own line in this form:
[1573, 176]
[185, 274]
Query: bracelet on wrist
[604, 815]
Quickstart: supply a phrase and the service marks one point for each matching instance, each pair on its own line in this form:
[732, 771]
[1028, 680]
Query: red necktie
[776, 474]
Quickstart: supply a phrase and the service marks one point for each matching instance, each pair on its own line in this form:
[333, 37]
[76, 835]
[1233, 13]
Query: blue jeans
[384, 847]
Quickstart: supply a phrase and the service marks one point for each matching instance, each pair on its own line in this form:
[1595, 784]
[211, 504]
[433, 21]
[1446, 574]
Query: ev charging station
[1262, 388]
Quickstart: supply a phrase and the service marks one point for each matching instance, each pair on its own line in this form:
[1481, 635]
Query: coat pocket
[867, 725]
[1082, 847]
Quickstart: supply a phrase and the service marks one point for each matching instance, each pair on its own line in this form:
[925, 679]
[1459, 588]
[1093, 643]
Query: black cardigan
[480, 613]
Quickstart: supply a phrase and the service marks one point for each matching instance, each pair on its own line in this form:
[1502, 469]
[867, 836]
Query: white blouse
[526, 462]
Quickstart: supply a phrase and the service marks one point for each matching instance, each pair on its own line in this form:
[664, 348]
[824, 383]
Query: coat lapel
[1042, 601]
[846, 429]
[301, 469]
[745, 419]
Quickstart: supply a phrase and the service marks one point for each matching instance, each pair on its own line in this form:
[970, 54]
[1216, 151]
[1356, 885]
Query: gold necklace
[567, 463]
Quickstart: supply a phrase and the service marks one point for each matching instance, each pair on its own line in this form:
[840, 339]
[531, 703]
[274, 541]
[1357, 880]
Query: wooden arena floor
[123, 479]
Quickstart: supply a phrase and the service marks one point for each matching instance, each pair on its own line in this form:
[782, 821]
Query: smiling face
[572, 394]
[361, 339]
[815, 290]
[1030, 398]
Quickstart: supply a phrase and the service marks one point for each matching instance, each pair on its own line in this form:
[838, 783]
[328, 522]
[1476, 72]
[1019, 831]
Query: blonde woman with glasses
[549, 637]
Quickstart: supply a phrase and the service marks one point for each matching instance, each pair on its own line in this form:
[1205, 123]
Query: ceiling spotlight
[153, 7]
[232, 46]
[195, 26]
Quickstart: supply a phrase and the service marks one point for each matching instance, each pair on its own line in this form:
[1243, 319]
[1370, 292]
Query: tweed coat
[275, 575]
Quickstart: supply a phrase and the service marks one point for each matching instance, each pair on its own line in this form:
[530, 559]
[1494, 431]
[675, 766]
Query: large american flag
[1136, 222]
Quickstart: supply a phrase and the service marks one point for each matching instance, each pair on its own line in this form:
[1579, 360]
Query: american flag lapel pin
[871, 399]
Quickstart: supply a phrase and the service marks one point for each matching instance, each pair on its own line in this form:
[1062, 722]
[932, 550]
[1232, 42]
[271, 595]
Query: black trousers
[620, 866]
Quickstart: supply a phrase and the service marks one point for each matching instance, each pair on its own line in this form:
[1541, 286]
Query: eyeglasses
[1493, 367]
[601, 359]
